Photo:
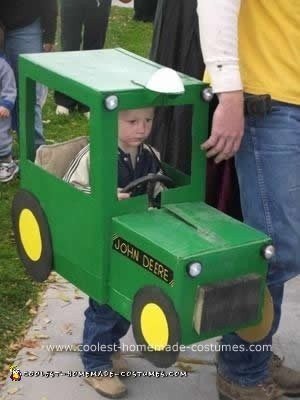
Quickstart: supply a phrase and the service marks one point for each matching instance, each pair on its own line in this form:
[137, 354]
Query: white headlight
[269, 252]
[111, 102]
[194, 269]
[207, 94]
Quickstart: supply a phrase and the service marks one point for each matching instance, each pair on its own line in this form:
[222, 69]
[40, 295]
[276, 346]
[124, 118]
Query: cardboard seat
[56, 158]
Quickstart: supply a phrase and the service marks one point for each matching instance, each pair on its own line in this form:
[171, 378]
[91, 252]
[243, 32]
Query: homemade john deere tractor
[181, 272]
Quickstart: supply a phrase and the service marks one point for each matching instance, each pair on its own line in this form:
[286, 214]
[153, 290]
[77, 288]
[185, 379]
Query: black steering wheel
[150, 178]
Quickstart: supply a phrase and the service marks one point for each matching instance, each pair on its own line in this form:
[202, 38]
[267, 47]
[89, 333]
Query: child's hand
[122, 196]
[4, 112]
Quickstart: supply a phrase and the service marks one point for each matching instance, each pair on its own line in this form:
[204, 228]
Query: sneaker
[110, 387]
[286, 378]
[268, 390]
[119, 363]
[8, 170]
[61, 110]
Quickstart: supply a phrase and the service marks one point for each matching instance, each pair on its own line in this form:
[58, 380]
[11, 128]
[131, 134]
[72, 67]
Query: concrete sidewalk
[60, 322]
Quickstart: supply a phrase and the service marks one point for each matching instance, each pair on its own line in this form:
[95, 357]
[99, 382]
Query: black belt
[257, 105]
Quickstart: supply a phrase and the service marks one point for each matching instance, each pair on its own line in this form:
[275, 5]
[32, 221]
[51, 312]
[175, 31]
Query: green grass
[16, 289]
[131, 35]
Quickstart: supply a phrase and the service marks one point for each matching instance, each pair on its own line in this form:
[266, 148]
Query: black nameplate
[146, 261]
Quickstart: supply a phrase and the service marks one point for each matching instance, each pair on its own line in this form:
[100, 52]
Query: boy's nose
[141, 127]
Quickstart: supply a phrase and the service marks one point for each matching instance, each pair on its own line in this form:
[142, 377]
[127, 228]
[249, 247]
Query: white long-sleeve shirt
[218, 24]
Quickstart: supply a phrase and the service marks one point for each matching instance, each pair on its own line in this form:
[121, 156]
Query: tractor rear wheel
[32, 235]
[258, 332]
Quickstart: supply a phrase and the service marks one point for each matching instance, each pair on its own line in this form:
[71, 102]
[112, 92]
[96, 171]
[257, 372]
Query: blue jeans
[5, 138]
[25, 40]
[103, 327]
[268, 168]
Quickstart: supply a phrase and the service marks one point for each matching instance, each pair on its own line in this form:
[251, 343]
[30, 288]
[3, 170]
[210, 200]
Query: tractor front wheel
[156, 326]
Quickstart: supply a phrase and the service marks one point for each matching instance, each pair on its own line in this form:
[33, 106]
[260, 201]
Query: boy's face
[134, 127]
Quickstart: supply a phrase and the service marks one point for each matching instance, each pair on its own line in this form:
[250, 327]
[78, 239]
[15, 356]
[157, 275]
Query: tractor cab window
[149, 156]
[153, 151]
[171, 136]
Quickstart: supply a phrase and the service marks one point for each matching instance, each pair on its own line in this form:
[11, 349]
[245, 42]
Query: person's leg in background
[25, 40]
[96, 16]
[72, 17]
[8, 167]
[95, 23]
[249, 366]
[144, 10]
[268, 167]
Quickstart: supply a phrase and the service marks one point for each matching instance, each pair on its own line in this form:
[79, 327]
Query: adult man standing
[251, 51]
[30, 27]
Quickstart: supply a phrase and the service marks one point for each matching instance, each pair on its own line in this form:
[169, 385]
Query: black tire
[32, 235]
[153, 298]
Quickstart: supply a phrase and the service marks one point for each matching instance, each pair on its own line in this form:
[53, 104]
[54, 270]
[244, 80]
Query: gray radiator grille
[227, 304]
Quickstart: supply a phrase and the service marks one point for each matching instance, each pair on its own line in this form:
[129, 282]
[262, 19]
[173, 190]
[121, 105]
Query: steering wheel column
[150, 180]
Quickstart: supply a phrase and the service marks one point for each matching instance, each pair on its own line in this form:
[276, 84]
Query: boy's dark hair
[1, 36]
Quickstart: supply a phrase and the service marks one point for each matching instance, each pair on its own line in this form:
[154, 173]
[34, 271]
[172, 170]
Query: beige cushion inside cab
[56, 158]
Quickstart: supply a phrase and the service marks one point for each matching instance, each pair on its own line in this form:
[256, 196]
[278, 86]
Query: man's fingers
[222, 148]
[218, 148]
[222, 157]
[227, 152]
[227, 127]
[210, 142]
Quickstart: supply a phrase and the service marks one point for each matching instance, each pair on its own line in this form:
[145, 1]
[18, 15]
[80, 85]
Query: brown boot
[231, 391]
[287, 378]
[119, 363]
[110, 387]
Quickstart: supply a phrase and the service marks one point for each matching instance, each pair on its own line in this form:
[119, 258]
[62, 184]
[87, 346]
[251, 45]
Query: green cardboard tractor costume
[181, 273]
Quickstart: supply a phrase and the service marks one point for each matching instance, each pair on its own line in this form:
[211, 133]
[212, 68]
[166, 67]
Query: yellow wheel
[156, 326]
[32, 235]
[258, 332]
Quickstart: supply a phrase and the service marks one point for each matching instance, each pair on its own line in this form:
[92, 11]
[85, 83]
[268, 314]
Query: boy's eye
[149, 120]
[132, 121]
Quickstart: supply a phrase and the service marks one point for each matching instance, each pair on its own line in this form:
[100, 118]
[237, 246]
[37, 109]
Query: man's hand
[4, 112]
[122, 196]
[227, 127]
[48, 47]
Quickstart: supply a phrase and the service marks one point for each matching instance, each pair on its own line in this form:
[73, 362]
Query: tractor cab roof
[109, 70]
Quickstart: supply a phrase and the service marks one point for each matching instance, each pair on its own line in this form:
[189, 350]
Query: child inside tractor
[103, 326]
